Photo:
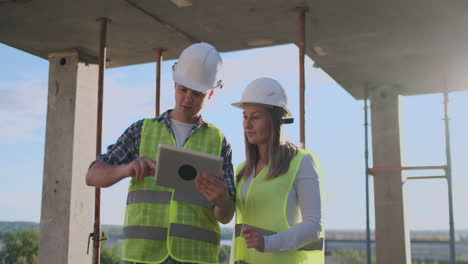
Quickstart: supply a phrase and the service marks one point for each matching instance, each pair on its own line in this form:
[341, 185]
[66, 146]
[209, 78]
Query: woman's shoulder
[308, 154]
[310, 164]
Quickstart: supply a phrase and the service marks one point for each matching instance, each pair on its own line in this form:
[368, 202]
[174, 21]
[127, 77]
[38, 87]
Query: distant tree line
[19, 248]
[19, 244]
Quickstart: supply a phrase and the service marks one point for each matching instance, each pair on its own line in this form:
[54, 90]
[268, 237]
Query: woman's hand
[253, 238]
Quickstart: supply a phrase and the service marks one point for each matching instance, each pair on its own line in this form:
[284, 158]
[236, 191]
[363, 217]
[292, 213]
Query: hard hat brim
[192, 85]
[240, 105]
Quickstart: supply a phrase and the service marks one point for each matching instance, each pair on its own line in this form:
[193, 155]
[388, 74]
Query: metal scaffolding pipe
[395, 169]
[426, 177]
[301, 15]
[442, 167]
[366, 155]
[449, 178]
[97, 201]
[159, 59]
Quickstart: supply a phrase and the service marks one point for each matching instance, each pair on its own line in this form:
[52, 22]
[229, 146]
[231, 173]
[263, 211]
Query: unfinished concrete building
[389, 49]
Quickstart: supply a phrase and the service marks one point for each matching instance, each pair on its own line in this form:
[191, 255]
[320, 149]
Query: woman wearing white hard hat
[278, 199]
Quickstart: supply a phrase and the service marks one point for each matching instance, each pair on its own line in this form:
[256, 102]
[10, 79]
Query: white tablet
[177, 168]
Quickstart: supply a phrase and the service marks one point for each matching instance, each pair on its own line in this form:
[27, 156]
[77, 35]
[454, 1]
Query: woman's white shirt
[304, 199]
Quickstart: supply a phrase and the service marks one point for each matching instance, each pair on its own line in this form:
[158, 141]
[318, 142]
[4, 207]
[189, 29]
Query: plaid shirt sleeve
[127, 147]
[226, 153]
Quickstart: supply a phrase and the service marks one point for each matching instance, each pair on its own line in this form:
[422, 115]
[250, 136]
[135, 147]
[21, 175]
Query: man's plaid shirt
[127, 149]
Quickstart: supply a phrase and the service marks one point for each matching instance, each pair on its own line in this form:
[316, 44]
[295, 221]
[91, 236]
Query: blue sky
[334, 131]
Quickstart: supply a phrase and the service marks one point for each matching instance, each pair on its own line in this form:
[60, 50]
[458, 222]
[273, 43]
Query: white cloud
[23, 111]
[125, 104]
[18, 205]
[23, 107]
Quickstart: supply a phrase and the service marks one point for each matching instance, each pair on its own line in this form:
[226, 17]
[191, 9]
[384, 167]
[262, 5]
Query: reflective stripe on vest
[265, 208]
[145, 232]
[315, 245]
[149, 196]
[161, 222]
[192, 198]
[164, 197]
[195, 233]
[176, 230]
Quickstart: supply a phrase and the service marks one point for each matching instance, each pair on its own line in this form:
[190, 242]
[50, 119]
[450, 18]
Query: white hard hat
[265, 91]
[198, 67]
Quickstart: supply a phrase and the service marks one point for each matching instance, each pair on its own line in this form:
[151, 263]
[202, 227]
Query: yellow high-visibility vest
[265, 208]
[162, 222]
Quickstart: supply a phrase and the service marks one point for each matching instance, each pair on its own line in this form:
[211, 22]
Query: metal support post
[449, 179]
[159, 58]
[97, 206]
[366, 154]
[301, 15]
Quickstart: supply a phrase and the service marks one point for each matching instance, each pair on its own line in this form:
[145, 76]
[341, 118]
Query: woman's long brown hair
[279, 153]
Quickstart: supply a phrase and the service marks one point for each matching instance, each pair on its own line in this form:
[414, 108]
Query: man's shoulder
[138, 126]
[150, 121]
[211, 126]
[215, 129]
[157, 119]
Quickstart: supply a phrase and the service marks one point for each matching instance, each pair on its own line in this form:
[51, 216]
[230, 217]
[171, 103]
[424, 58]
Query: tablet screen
[177, 168]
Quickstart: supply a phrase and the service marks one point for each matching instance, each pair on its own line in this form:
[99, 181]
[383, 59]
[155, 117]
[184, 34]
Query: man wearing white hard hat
[164, 225]
[278, 200]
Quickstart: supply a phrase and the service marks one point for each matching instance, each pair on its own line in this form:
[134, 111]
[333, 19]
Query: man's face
[189, 102]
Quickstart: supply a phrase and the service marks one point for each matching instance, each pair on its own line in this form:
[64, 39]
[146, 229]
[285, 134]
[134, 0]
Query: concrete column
[391, 229]
[67, 203]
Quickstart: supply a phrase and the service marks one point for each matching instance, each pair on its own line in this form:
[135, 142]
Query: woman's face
[257, 121]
